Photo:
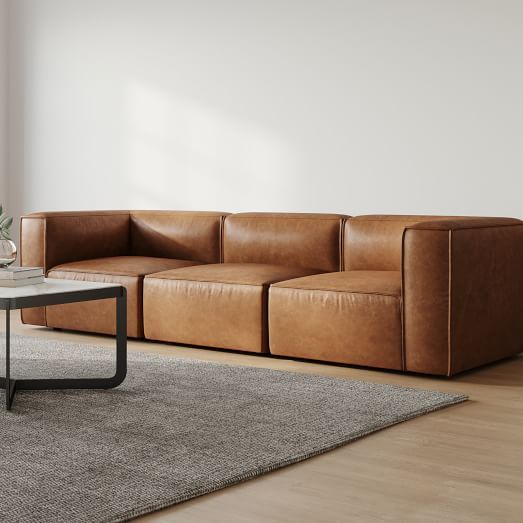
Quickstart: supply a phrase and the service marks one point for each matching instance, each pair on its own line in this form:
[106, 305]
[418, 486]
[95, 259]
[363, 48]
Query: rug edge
[236, 480]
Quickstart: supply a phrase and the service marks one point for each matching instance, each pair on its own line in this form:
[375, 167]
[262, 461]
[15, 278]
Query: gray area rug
[175, 429]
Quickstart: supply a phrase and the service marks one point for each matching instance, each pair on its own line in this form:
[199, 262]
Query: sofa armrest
[462, 291]
[52, 238]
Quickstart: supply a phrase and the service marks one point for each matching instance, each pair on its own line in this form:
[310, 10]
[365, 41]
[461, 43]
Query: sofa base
[304, 359]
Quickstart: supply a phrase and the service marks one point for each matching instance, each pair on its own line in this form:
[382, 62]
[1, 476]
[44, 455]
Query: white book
[34, 280]
[19, 273]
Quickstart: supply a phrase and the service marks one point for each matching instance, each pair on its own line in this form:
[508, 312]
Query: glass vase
[7, 253]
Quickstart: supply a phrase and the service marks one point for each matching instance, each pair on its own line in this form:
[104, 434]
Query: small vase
[7, 253]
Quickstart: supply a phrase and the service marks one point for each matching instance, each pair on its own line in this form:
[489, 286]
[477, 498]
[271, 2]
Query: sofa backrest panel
[299, 240]
[183, 235]
[373, 243]
[52, 238]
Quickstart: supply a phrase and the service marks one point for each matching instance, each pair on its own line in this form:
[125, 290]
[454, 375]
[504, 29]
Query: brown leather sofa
[113, 247]
[427, 294]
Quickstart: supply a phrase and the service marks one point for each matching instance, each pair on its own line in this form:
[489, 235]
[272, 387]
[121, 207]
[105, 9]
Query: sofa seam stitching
[141, 213]
[152, 277]
[477, 228]
[342, 244]
[402, 303]
[340, 291]
[222, 236]
[356, 219]
[45, 217]
[236, 217]
[56, 269]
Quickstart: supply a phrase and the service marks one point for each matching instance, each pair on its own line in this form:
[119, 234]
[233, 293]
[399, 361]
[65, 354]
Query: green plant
[5, 225]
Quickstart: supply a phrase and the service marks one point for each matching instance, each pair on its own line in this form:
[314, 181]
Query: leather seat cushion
[100, 315]
[364, 282]
[348, 317]
[220, 305]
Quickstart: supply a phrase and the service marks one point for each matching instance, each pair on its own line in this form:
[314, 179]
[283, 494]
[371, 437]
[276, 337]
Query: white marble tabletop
[52, 286]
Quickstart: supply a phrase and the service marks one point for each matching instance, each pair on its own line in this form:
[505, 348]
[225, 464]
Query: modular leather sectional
[435, 295]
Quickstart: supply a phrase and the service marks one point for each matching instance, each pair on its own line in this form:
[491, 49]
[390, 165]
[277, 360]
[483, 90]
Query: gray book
[21, 282]
[19, 273]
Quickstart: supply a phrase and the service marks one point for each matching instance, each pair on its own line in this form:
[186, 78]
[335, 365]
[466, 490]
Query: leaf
[7, 223]
[1, 209]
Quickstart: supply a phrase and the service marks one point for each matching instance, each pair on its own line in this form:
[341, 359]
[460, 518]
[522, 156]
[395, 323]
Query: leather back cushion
[78, 236]
[299, 240]
[183, 235]
[373, 243]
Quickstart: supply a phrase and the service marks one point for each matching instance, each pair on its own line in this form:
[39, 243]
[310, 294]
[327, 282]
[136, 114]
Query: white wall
[3, 102]
[355, 106]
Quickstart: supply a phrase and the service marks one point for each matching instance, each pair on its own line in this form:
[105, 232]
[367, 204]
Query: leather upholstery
[373, 242]
[294, 240]
[387, 283]
[420, 293]
[181, 235]
[462, 293]
[100, 315]
[62, 237]
[347, 317]
[123, 265]
[52, 238]
[221, 305]
[235, 273]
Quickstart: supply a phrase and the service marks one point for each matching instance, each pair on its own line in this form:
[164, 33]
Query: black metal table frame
[8, 304]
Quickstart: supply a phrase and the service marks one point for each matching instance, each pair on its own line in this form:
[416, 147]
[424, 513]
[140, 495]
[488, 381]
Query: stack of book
[21, 276]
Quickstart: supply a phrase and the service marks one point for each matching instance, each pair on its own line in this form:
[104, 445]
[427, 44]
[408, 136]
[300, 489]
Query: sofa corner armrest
[462, 288]
[48, 239]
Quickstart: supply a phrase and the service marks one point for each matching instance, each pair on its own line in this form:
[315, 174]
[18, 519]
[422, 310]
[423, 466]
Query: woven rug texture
[175, 429]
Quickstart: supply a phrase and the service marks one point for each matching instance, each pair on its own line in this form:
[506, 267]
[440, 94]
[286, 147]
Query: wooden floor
[464, 463]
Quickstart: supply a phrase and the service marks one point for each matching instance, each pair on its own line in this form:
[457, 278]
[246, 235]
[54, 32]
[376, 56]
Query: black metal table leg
[8, 397]
[121, 341]
[11, 386]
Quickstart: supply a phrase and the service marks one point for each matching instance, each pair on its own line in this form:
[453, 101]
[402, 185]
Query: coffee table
[54, 292]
